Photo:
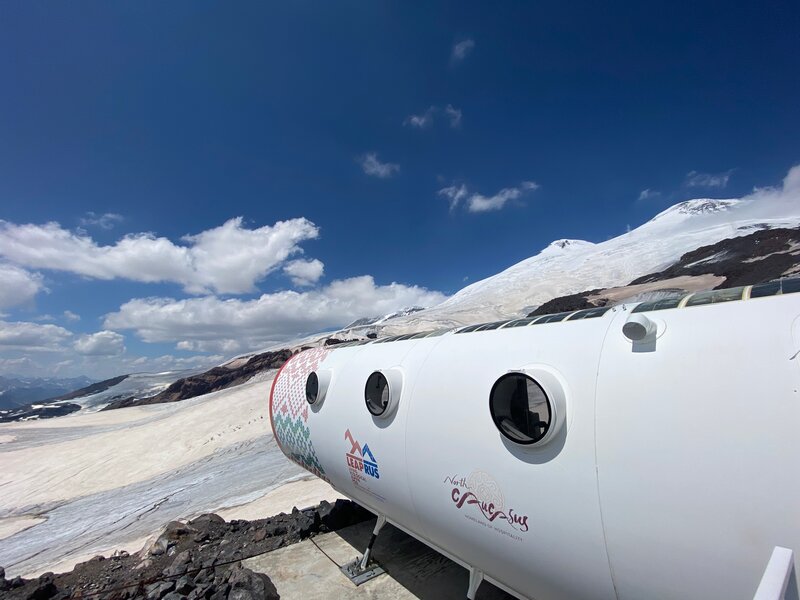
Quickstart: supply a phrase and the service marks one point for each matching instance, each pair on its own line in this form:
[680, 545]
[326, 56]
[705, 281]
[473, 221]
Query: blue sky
[427, 145]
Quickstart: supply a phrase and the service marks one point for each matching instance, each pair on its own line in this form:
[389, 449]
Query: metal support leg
[475, 579]
[378, 526]
[361, 569]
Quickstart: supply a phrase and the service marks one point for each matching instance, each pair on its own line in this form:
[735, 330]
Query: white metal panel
[453, 444]
[345, 410]
[697, 447]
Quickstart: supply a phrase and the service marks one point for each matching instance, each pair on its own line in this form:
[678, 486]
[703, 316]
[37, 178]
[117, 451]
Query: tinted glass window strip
[520, 322]
[438, 332]
[790, 286]
[765, 289]
[555, 318]
[491, 326]
[590, 313]
[470, 328]
[662, 304]
[716, 296]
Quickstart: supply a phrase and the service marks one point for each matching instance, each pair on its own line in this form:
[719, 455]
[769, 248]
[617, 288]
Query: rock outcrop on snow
[197, 559]
[218, 378]
[758, 257]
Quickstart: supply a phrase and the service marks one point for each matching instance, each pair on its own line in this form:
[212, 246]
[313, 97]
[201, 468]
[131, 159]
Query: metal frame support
[378, 526]
[779, 581]
[475, 579]
[363, 569]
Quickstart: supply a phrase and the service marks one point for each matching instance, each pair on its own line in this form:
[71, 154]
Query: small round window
[376, 394]
[312, 388]
[520, 408]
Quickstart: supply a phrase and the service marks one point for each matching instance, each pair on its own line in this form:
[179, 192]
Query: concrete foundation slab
[310, 570]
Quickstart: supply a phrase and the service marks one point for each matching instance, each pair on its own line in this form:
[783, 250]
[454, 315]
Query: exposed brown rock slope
[212, 380]
[747, 260]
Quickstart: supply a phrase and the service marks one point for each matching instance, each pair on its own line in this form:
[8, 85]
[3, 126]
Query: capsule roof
[773, 288]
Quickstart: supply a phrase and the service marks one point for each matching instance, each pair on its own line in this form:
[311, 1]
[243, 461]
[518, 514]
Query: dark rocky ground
[194, 560]
[95, 388]
[759, 257]
[38, 411]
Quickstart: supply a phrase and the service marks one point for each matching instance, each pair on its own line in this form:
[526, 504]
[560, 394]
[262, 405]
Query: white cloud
[232, 325]
[426, 119]
[479, 203]
[18, 286]
[22, 366]
[71, 316]
[769, 202]
[32, 337]
[372, 166]
[102, 343]
[454, 114]
[461, 50]
[304, 272]
[104, 221]
[455, 194]
[648, 194]
[707, 180]
[228, 259]
[421, 121]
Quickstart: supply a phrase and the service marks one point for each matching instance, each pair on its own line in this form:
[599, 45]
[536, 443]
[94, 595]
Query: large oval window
[376, 394]
[520, 408]
[312, 388]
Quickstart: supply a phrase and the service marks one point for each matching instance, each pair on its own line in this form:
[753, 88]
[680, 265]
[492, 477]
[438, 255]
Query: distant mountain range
[18, 391]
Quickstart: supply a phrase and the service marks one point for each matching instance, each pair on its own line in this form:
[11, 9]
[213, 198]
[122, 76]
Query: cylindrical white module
[565, 458]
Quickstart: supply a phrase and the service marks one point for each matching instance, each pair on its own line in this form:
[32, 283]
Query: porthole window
[317, 384]
[520, 408]
[312, 388]
[376, 394]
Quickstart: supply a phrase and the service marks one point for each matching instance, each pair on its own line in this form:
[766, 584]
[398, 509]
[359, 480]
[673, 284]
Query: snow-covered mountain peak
[566, 244]
[699, 206]
[568, 266]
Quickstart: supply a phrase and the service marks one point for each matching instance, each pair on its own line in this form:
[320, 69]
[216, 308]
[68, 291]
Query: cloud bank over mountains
[229, 259]
[212, 324]
[213, 268]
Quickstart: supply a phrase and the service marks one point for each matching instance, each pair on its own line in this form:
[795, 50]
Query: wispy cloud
[455, 194]
[477, 203]
[454, 114]
[426, 119]
[71, 316]
[374, 167]
[421, 121]
[707, 180]
[104, 221]
[461, 50]
[648, 194]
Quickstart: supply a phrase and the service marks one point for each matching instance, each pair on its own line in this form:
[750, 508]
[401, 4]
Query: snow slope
[92, 482]
[570, 266]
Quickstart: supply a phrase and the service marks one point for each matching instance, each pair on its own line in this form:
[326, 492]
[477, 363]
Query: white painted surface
[673, 477]
[776, 576]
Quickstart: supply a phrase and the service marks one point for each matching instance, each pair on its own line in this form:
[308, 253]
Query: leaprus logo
[360, 459]
[480, 494]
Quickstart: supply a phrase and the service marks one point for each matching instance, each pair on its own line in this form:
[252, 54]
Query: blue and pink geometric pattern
[289, 409]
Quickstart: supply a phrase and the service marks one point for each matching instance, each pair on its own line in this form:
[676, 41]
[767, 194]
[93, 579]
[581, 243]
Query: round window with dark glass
[520, 408]
[376, 394]
[312, 388]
